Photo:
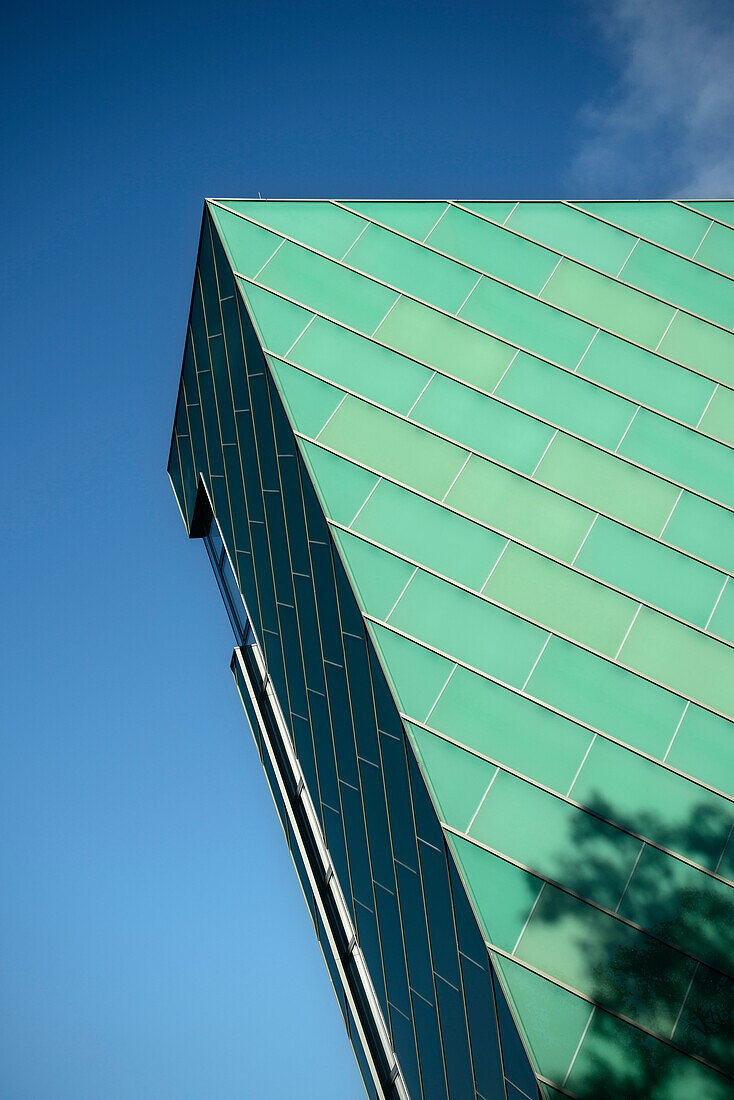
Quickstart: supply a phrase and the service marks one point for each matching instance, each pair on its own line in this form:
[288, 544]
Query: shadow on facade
[684, 997]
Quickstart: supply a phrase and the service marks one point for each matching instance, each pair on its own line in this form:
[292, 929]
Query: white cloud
[667, 125]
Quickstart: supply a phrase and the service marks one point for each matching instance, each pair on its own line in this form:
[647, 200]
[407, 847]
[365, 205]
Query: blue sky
[154, 940]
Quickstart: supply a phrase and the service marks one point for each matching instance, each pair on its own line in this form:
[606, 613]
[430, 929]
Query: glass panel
[663, 222]
[566, 400]
[658, 804]
[558, 1018]
[429, 1050]
[343, 487]
[488, 248]
[445, 343]
[462, 625]
[400, 450]
[503, 894]
[414, 219]
[647, 378]
[706, 1025]
[722, 620]
[607, 960]
[699, 345]
[511, 729]
[430, 534]
[378, 577]
[682, 282]
[279, 322]
[701, 528]
[681, 657]
[606, 696]
[520, 508]
[718, 420]
[653, 572]
[534, 325]
[717, 250]
[704, 748]
[327, 287]
[681, 454]
[309, 401]
[559, 226]
[560, 599]
[680, 904]
[317, 224]
[602, 481]
[358, 364]
[413, 269]
[553, 837]
[455, 1040]
[415, 933]
[608, 304]
[495, 211]
[416, 674]
[722, 210]
[248, 245]
[457, 779]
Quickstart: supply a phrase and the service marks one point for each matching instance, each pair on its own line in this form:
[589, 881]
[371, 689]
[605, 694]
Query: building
[464, 474]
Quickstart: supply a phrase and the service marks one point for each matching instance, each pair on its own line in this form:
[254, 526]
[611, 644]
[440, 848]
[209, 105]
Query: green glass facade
[470, 468]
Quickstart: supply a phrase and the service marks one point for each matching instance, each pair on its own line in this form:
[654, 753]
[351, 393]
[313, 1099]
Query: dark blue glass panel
[483, 1036]
[398, 801]
[429, 1050]
[410, 895]
[359, 862]
[391, 937]
[404, 1042]
[440, 913]
[517, 1066]
[452, 1015]
[360, 691]
[341, 721]
[373, 793]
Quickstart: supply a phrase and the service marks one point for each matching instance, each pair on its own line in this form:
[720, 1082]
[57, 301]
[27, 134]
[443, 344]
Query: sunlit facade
[464, 472]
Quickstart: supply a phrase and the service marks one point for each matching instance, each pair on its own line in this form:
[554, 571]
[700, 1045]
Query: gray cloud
[667, 126]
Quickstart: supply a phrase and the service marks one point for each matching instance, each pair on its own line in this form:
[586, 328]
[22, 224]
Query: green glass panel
[488, 248]
[546, 834]
[680, 904]
[551, 1019]
[711, 998]
[319, 225]
[722, 210]
[445, 343]
[416, 674]
[603, 482]
[679, 281]
[606, 696]
[343, 487]
[327, 287]
[717, 250]
[309, 401]
[681, 657]
[703, 529]
[393, 447]
[468, 628]
[457, 779]
[606, 960]
[279, 323]
[655, 573]
[502, 893]
[658, 804]
[704, 748]
[566, 400]
[681, 454]
[663, 222]
[358, 364]
[722, 620]
[378, 578]
[718, 420]
[534, 325]
[483, 424]
[520, 508]
[618, 1060]
[430, 534]
[413, 269]
[647, 378]
[561, 599]
[414, 219]
[576, 235]
[495, 211]
[511, 729]
[608, 304]
[248, 245]
[700, 346]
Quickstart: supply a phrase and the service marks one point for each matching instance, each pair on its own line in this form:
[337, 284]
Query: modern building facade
[465, 474]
